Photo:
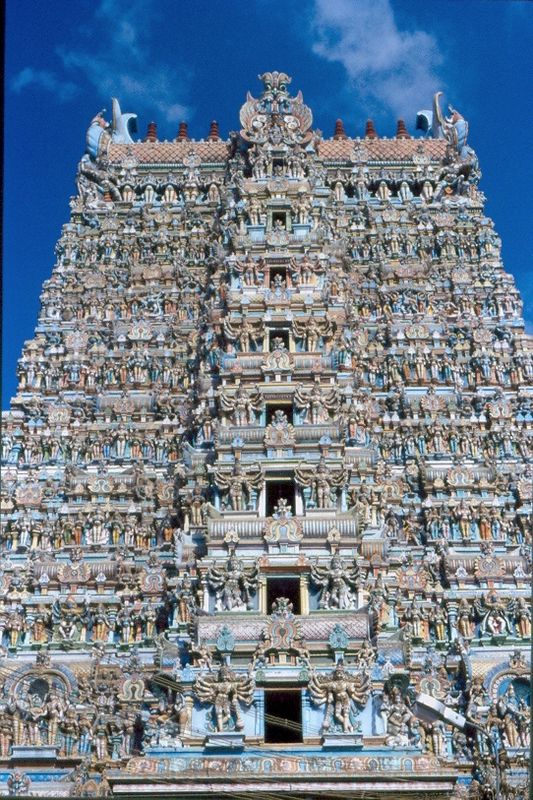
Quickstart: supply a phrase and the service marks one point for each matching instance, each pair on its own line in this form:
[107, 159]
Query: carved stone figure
[240, 486]
[225, 690]
[18, 784]
[322, 483]
[316, 403]
[243, 405]
[494, 614]
[398, 718]
[338, 584]
[234, 585]
[340, 691]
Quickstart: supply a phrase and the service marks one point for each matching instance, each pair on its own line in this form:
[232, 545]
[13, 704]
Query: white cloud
[124, 62]
[396, 69]
[44, 79]
[155, 87]
[120, 60]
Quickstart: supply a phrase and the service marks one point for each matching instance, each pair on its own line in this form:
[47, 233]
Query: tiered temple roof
[267, 474]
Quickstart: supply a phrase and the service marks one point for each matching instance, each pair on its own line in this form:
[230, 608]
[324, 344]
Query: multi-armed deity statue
[267, 474]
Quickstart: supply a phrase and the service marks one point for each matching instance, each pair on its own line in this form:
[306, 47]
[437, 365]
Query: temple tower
[267, 475]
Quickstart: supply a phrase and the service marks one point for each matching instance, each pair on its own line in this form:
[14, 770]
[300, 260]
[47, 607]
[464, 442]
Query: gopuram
[267, 475]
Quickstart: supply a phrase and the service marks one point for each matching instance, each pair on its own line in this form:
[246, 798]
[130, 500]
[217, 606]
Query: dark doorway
[283, 587]
[283, 716]
[279, 219]
[279, 337]
[277, 490]
[277, 274]
[273, 407]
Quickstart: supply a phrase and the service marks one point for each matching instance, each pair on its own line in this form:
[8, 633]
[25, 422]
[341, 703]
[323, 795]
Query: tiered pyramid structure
[267, 476]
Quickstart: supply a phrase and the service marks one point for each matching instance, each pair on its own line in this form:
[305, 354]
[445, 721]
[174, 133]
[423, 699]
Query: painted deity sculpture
[233, 584]
[338, 584]
[340, 691]
[225, 690]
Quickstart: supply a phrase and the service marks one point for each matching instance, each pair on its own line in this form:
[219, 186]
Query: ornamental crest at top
[276, 117]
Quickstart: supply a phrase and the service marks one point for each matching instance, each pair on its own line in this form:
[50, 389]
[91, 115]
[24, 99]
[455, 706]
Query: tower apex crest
[276, 117]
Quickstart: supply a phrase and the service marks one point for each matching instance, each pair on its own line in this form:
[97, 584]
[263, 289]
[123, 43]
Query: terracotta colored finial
[401, 130]
[151, 132]
[214, 133]
[370, 131]
[339, 133]
[183, 132]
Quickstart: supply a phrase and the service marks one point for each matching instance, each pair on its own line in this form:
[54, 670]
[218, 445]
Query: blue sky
[169, 60]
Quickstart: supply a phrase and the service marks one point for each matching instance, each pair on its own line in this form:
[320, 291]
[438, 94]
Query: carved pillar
[259, 704]
[187, 728]
[452, 619]
[263, 595]
[304, 595]
[205, 594]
